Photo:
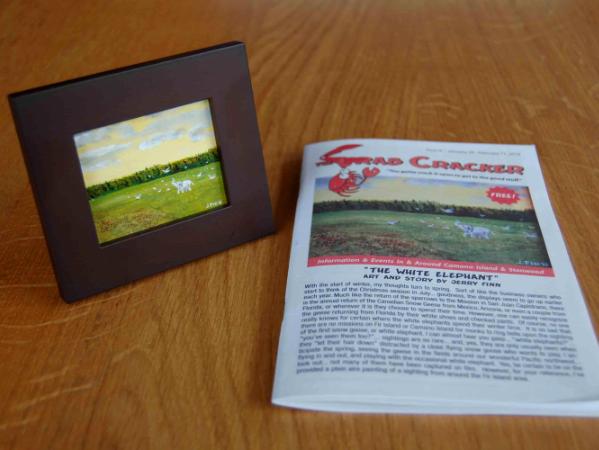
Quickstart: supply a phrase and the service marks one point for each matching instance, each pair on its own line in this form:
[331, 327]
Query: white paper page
[459, 297]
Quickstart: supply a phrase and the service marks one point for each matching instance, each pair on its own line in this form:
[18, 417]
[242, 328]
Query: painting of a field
[431, 236]
[151, 170]
[428, 219]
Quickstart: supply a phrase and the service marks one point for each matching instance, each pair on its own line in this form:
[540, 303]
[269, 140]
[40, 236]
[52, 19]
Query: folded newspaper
[430, 277]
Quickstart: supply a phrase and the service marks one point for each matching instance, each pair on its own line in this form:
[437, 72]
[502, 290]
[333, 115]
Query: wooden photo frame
[144, 168]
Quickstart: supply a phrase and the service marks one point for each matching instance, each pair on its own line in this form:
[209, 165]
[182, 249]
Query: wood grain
[185, 359]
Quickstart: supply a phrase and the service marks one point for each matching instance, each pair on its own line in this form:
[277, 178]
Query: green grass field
[425, 236]
[153, 203]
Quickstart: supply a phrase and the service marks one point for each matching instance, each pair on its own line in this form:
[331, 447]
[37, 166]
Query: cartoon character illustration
[348, 182]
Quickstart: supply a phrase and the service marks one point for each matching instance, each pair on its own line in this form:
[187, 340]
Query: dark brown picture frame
[47, 118]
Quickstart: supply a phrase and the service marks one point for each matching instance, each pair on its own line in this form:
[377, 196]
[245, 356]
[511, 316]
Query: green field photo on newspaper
[428, 219]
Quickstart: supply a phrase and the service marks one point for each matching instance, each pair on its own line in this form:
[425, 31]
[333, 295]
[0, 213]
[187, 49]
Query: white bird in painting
[392, 222]
[448, 210]
[212, 176]
[137, 196]
[167, 170]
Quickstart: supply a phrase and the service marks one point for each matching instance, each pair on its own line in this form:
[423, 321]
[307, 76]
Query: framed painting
[144, 168]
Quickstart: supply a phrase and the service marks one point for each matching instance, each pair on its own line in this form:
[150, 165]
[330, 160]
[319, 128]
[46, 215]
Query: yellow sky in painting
[421, 189]
[123, 148]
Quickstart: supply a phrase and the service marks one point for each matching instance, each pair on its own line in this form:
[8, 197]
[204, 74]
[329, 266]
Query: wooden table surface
[185, 359]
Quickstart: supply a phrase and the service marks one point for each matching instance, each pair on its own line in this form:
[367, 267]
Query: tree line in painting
[426, 207]
[153, 173]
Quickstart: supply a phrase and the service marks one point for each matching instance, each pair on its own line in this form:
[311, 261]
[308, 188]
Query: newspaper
[430, 277]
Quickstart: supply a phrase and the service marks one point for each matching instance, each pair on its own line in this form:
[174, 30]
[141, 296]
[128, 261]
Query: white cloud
[121, 130]
[103, 151]
[158, 139]
[199, 133]
[101, 157]
[198, 117]
[158, 131]
[100, 164]
[90, 137]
